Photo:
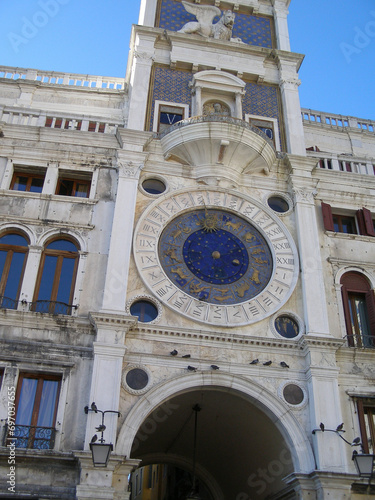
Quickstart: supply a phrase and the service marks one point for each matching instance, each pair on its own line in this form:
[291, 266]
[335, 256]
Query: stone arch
[273, 407]
[347, 269]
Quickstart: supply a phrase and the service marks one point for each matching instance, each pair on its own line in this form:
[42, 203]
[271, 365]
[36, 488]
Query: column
[51, 178]
[139, 84]
[314, 297]
[122, 232]
[239, 105]
[147, 13]
[292, 114]
[280, 14]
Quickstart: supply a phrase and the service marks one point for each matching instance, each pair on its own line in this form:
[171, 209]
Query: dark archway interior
[239, 448]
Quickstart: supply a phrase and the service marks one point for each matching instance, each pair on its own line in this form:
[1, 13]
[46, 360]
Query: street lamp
[100, 450]
[364, 464]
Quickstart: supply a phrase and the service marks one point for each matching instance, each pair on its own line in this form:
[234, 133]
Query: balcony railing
[321, 118]
[52, 307]
[8, 303]
[58, 78]
[31, 437]
[361, 341]
[343, 163]
[215, 118]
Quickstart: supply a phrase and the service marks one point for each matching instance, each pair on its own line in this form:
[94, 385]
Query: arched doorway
[247, 439]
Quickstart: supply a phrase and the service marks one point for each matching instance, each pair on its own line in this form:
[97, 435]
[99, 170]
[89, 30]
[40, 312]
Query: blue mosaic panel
[253, 30]
[171, 86]
[261, 100]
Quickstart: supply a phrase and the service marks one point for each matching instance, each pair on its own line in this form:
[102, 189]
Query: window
[269, 126]
[361, 223]
[27, 181]
[359, 309]
[13, 254]
[36, 407]
[78, 188]
[145, 310]
[167, 114]
[366, 416]
[56, 278]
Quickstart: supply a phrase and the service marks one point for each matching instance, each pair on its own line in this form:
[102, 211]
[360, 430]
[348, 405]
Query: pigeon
[94, 438]
[191, 368]
[321, 425]
[339, 427]
[186, 356]
[174, 352]
[267, 363]
[356, 441]
[101, 428]
[254, 362]
[94, 407]
[284, 365]
[215, 367]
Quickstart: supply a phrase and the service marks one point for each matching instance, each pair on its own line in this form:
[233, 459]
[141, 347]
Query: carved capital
[130, 169]
[144, 56]
[304, 195]
[290, 83]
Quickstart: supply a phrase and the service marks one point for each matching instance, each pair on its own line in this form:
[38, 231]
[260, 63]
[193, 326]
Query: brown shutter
[369, 223]
[361, 222]
[327, 217]
[362, 425]
[345, 303]
[370, 303]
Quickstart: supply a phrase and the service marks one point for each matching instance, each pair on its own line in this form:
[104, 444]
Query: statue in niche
[216, 108]
[205, 14]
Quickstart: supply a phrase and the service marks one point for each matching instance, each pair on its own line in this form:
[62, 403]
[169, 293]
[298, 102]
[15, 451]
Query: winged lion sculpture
[205, 14]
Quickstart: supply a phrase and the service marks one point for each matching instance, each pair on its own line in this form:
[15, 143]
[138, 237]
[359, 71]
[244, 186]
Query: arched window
[359, 309]
[56, 278]
[13, 254]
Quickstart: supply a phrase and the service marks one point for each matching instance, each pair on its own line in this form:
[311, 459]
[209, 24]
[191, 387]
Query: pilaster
[122, 232]
[280, 14]
[314, 296]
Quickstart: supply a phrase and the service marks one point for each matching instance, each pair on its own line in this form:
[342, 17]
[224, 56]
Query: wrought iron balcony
[8, 303]
[361, 341]
[31, 437]
[52, 307]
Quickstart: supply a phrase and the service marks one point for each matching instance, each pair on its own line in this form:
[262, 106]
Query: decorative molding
[290, 83]
[130, 169]
[144, 56]
[304, 195]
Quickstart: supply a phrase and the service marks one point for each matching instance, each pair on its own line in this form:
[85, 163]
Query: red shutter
[327, 217]
[369, 223]
[361, 222]
[370, 303]
[345, 303]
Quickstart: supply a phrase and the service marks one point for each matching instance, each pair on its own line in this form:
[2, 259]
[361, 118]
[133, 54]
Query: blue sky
[92, 37]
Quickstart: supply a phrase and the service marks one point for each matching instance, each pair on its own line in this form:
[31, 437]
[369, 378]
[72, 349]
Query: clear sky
[92, 37]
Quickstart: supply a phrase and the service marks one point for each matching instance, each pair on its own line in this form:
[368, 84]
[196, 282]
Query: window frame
[266, 122]
[353, 283]
[364, 404]
[364, 223]
[40, 377]
[60, 254]
[158, 107]
[30, 176]
[76, 181]
[11, 250]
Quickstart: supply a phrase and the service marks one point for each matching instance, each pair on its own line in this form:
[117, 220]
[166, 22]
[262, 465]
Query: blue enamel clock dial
[215, 256]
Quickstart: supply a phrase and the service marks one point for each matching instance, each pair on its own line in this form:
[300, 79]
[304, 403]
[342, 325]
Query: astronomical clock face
[215, 257]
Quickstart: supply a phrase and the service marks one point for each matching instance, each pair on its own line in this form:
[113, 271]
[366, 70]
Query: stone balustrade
[343, 163]
[313, 117]
[58, 78]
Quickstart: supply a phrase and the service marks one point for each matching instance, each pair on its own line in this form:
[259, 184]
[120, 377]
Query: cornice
[181, 335]
[111, 320]
[41, 321]
[309, 342]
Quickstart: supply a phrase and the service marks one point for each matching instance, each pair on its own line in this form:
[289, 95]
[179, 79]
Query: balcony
[31, 437]
[218, 146]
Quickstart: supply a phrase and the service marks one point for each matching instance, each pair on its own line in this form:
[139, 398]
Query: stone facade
[163, 244]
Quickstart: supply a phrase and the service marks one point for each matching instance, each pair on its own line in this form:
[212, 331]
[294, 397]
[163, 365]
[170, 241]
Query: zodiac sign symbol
[176, 235]
[233, 226]
[171, 253]
[179, 272]
[196, 288]
[241, 289]
[255, 277]
[249, 237]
